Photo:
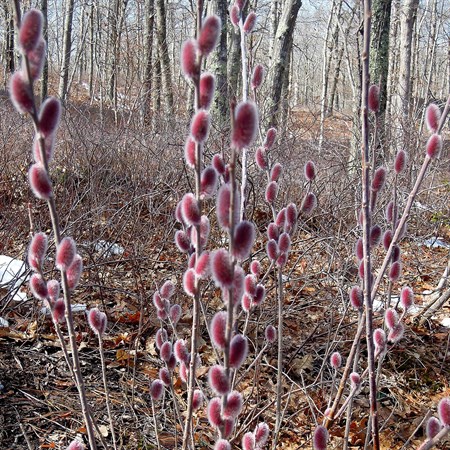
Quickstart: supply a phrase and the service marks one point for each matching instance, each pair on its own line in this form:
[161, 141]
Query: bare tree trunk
[219, 66]
[327, 54]
[274, 18]
[148, 52]
[164, 55]
[285, 94]
[337, 72]
[392, 75]
[116, 21]
[281, 48]
[44, 82]
[82, 50]
[92, 49]
[157, 83]
[355, 141]
[379, 61]
[234, 64]
[9, 39]
[67, 48]
[408, 15]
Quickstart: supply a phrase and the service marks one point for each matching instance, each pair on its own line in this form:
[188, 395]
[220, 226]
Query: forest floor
[38, 402]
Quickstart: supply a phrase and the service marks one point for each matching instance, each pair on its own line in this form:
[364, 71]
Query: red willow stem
[367, 213]
[198, 251]
[88, 417]
[230, 305]
[280, 295]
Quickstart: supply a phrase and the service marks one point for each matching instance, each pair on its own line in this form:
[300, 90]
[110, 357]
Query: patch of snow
[76, 308]
[13, 274]
[446, 322]
[421, 206]
[108, 249]
[3, 323]
[377, 305]
[414, 309]
[435, 242]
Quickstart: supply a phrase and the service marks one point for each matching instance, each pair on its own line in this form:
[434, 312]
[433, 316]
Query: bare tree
[9, 38]
[408, 14]
[148, 52]
[282, 45]
[44, 82]
[67, 48]
[379, 60]
[219, 64]
[328, 48]
[163, 51]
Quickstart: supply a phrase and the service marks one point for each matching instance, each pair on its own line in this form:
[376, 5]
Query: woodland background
[119, 173]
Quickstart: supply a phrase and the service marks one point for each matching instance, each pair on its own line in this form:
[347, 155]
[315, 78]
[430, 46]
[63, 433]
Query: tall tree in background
[408, 14]
[280, 56]
[44, 81]
[163, 51]
[117, 16]
[219, 64]
[328, 50]
[379, 52]
[9, 38]
[91, 48]
[67, 48]
[148, 53]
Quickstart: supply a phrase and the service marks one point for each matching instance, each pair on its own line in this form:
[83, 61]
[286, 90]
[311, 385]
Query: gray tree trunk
[337, 72]
[281, 48]
[10, 65]
[156, 98]
[285, 92]
[164, 55]
[91, 49]
[408, 14]
[148, 52]
[44, 81]
[67, 48]
[393, 64]
[379, 52]
[219, 66]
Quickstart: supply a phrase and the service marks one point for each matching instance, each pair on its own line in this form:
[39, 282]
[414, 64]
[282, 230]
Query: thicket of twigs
[116, 189]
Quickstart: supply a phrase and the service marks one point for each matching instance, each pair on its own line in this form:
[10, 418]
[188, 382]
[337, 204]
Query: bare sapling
[223, 265]
[371, 185]
[46, 120]
[98, 321]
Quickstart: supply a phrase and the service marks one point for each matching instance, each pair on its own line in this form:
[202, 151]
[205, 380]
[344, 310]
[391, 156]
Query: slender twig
[155, 423]
[105, 386]
[348, 418]
[367, 215]
[198, 251]
[279, 357]
[244, 98]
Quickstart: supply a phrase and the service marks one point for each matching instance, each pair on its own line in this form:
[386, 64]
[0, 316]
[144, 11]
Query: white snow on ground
[435, 242]
[76, 308]
[13, 275]
[108, 248]
[3, 323]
